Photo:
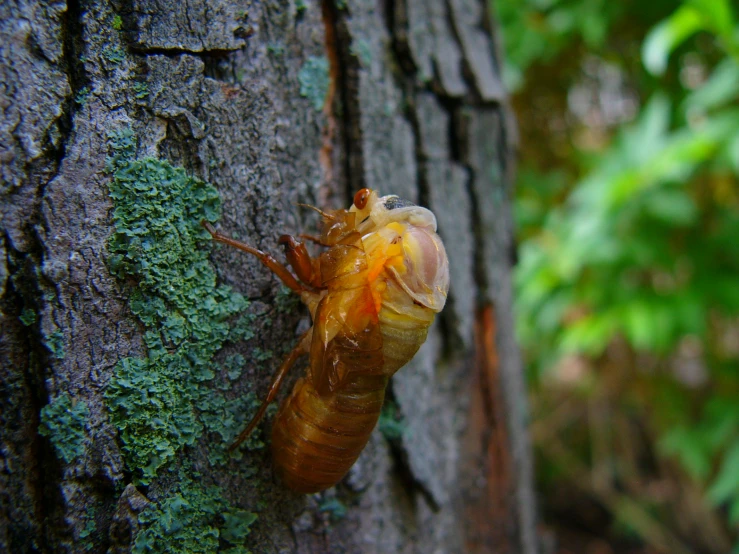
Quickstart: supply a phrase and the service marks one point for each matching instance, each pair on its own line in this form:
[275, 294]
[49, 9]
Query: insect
[372, 295]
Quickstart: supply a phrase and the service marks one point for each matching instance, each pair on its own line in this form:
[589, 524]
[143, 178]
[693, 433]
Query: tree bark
[272, 103]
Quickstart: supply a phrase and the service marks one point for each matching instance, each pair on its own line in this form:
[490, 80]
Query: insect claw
[209, 228]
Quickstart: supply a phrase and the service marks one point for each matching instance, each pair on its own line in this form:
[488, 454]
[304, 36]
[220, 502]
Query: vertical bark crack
[346, 74]
[23, 346]
[72, 52]
[33, 293]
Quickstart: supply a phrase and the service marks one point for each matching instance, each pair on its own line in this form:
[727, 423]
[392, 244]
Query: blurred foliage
[628, 281]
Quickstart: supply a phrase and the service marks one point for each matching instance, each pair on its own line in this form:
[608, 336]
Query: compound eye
[360, 199]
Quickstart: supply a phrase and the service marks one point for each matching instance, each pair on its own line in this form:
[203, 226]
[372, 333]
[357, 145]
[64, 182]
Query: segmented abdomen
[404, 329]
[315, 440]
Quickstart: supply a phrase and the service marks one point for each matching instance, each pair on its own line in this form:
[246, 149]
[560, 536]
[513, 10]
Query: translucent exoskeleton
[372, 294]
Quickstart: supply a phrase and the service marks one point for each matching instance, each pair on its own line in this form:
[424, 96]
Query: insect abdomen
[316, 439]
[404, 326]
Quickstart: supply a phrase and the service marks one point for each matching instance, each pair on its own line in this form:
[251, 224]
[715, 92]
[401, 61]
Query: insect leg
[267, 260]
[274, 388]
[299, 259]
[313, 239]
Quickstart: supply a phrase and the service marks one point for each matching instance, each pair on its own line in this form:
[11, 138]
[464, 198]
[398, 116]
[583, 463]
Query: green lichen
[243, 329]
[391, 425]
[286, 301]
[86, 540]
[117, 22]
[300, 6]
[123, 148]
[276, 48]
[193, 519]
[114, 54]
[64, 422]
[167, 400]
[27, 317]
[362, 50]
[233, 365]
[82, 95]
[55, 343]
[89, 528]
[334, 507]
[262, 355]
[140, 90]
[162, 402]
[314, 80]
[228, 418]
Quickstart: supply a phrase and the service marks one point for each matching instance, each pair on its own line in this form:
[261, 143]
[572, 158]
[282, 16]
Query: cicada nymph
[372, 295]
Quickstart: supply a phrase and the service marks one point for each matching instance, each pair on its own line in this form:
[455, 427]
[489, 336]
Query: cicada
[372, 294]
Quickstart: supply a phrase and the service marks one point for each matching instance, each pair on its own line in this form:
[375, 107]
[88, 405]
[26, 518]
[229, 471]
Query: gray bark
[232, 92]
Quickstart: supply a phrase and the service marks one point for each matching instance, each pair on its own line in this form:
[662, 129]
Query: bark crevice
[22, 297]
[347, 84]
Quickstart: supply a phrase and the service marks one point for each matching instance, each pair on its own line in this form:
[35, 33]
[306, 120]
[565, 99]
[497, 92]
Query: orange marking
[377, 267]
[377, 289]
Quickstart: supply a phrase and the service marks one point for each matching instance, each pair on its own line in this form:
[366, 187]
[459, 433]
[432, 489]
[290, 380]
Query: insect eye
[360, 199]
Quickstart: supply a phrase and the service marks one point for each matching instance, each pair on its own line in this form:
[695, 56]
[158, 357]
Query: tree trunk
[133, 357]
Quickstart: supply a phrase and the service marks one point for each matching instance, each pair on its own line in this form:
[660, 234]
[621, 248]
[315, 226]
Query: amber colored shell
[366, 327]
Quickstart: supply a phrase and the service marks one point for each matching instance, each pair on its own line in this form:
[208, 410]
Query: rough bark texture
[273, 103]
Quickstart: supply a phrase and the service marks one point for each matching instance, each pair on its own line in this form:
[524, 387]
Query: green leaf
[716, 15]
[688, 447]
[673, 206]
[589, 335]
[668, 35]
[726, 484]
[733, 149]
[639, 324]
[734, 516]
[721, 88]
